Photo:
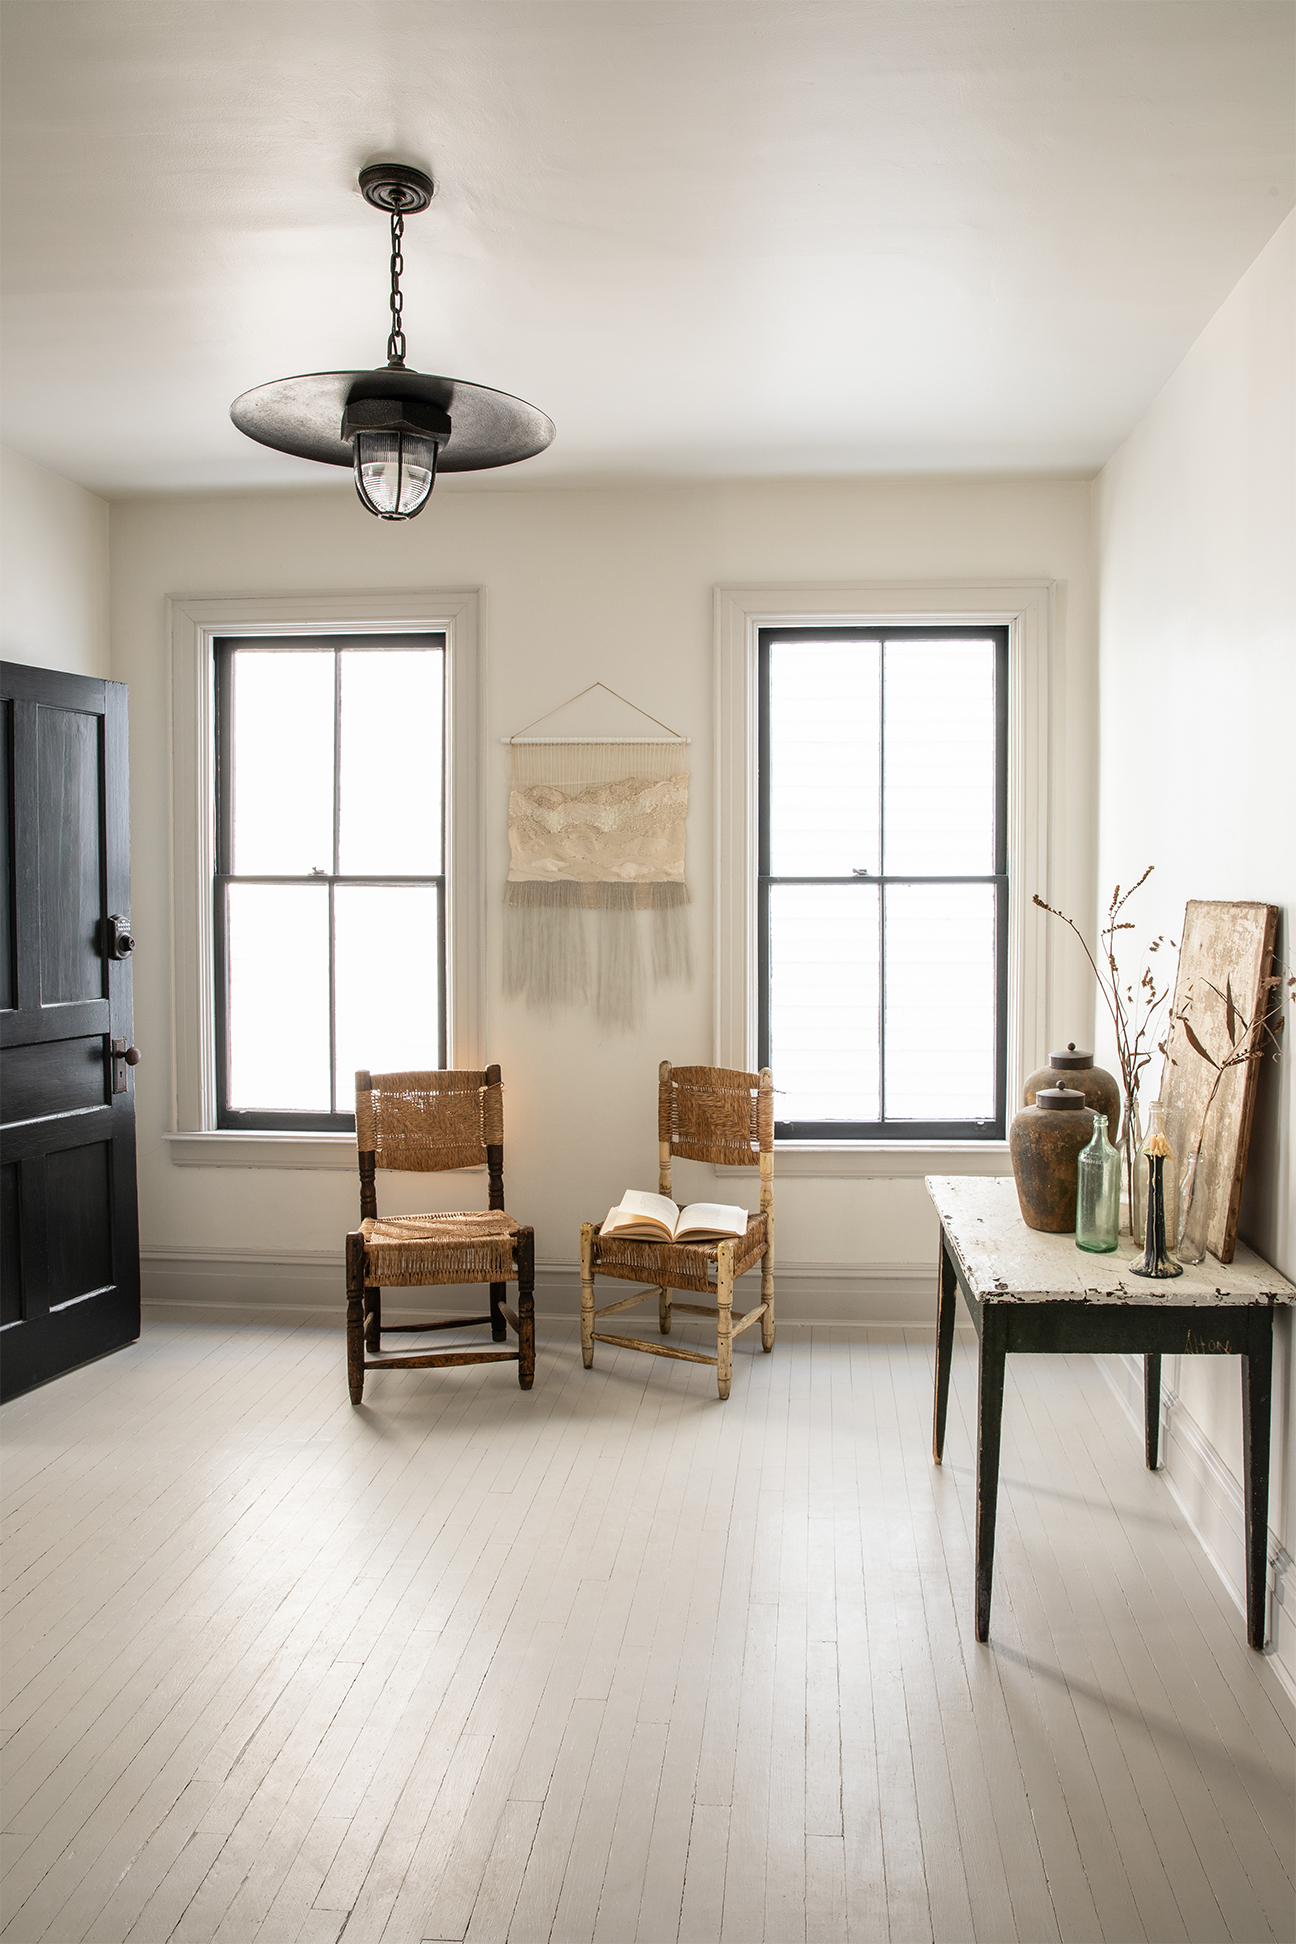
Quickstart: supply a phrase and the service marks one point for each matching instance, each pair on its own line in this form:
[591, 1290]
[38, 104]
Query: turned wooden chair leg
[355, 1271]
[587, 1294]
[724, 1329]
[767, 1210]
[373, 1320]
[526, 1307]
[526, 1339]
[499, 1328]
[664, 1311]
[767, 1297]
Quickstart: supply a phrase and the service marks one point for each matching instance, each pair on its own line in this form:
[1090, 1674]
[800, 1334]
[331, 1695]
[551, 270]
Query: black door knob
[123, 1056]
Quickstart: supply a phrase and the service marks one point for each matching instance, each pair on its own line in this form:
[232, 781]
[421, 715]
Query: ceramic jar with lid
[1071, 1068]
[1045, 1142]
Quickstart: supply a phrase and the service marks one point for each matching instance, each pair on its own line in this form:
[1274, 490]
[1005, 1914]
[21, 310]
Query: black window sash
[225, 649]
[994, 1128]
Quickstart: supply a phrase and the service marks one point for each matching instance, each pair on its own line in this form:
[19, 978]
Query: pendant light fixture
[396, 428]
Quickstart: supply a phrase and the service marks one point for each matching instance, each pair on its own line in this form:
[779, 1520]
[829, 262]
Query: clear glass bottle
[1098, 1197]
[1169, 1175]
[1192, 1212]
[1133, 1176]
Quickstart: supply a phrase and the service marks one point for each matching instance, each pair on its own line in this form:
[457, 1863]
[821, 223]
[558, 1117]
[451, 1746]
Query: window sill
[235, 1148]
[883, 1160]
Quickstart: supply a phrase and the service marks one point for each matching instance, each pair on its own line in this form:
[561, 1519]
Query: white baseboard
[306, 1286]
[1210, 1497]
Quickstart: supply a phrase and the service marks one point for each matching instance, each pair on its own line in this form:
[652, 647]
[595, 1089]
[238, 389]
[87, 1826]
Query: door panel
[70, 1252]
[54, 1077]
[7, 980]
[69, 854]
[78, 1250]
[11, 1294]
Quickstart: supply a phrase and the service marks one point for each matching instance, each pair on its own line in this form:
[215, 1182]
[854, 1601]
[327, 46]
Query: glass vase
[1098, 1196]
[1193, 1201]
[1133, 1171]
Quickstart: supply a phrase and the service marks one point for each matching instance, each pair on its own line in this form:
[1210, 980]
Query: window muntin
[883, 887]
[329, 893]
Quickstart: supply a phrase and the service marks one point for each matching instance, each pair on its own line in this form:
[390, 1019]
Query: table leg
[990, 1390]
[946, 1300]
[1152, 1406]
[1257, 1387]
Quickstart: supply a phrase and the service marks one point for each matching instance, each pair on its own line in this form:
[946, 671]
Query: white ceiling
[708, 239]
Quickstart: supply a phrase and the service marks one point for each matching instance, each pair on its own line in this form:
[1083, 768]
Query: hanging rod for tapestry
[635, 742]
[522, 737]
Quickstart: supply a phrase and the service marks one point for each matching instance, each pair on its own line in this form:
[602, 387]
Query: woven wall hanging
[596, 869]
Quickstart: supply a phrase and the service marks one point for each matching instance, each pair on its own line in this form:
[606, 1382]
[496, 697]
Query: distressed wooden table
[1035, 1292]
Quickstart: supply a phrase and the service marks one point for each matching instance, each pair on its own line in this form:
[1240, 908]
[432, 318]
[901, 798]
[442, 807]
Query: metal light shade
[394, 472]
[391, 424]
[305, 416]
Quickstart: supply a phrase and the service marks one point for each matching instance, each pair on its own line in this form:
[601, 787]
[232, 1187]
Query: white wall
[53, 570]
[612, 585]
[1195, 519]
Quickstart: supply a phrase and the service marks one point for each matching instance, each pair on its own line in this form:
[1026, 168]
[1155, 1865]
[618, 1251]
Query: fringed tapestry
[596, 841]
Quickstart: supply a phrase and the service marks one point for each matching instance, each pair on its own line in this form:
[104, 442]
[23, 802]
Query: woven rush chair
[703, 1114]
[427, 1122]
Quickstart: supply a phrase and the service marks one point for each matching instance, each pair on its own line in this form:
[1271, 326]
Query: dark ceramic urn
[1045, 1142]
[1070, 1068]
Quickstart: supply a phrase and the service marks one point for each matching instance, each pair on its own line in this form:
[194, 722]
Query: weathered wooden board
[1224, 948]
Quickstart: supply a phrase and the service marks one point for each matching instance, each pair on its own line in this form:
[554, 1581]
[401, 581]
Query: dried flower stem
[1249, 1039]
[1124, 1006]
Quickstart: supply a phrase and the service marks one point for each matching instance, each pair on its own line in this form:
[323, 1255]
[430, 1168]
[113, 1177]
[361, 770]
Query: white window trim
[194, 625]
[1026, 608]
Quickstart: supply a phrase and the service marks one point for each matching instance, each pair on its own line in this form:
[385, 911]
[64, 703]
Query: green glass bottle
[1098, 1196]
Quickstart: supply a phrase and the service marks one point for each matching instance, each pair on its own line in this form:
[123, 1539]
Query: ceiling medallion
[395, 427]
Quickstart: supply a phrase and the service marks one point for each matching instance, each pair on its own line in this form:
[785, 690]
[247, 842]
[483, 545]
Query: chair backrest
[716, 1114]
[427, 1122]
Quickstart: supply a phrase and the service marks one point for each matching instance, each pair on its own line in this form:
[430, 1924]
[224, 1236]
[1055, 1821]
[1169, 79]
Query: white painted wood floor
[612, 1660]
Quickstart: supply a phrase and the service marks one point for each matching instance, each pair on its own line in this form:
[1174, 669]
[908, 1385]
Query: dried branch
[1249, 1039]
[1132, 1009]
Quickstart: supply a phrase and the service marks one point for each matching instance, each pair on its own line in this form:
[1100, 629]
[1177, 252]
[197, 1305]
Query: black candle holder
[1156, 1260]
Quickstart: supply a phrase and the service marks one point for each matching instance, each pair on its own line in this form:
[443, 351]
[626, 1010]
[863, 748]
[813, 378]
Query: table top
[1006, 1262]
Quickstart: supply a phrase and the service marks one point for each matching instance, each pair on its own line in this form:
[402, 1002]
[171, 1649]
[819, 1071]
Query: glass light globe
[394, 472]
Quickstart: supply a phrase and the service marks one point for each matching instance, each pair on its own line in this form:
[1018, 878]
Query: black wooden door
[69, 1274]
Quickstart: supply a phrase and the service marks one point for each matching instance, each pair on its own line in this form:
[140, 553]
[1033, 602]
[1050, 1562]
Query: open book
[655, 1218]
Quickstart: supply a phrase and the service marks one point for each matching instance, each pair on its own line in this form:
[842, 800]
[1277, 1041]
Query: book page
[658, 1208]
[650, 1218]
[715, 1221]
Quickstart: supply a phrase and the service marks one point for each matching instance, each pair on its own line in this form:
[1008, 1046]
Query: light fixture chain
[396, 341]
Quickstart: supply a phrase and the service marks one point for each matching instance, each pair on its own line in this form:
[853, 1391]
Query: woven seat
[427, 1122]
[409, 1250]
[703, 1114]
[680, 1265]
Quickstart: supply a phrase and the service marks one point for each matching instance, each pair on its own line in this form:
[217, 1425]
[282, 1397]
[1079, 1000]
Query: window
[882, 902]
[1029, 701]
[321, 858]
[329, 890]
